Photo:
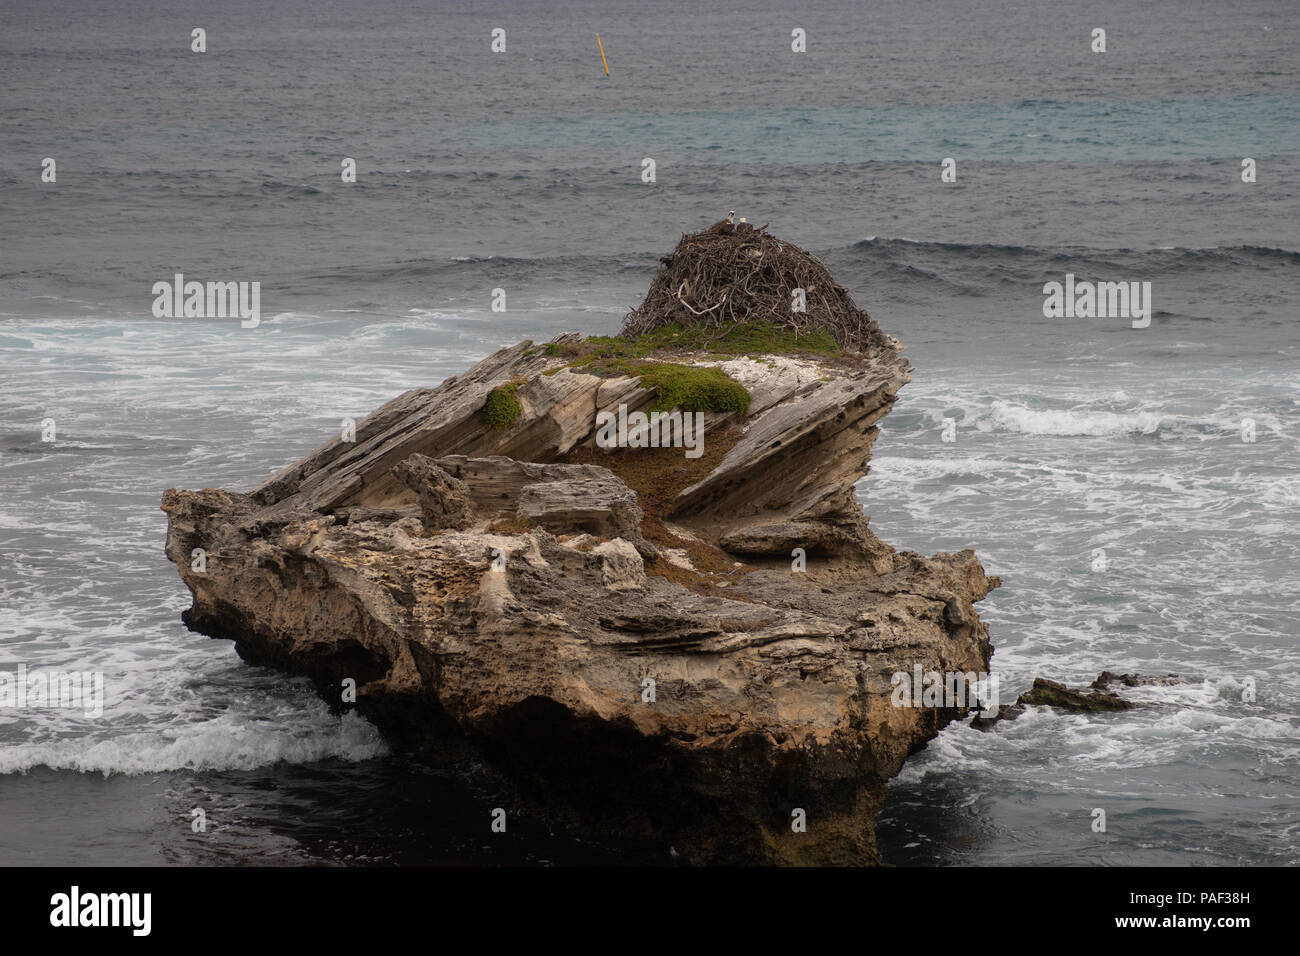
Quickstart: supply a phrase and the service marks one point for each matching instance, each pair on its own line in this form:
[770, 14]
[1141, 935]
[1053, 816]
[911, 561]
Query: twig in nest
[688, 305]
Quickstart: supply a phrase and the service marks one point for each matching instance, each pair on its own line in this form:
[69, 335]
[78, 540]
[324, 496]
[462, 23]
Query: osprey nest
[725, 275]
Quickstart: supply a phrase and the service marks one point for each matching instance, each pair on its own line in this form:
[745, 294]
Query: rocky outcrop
[443, 500]
[625, 632]
[1107, 679]
[1050, 693]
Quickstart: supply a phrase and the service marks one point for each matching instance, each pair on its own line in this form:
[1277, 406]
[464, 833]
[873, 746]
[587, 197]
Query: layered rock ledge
[624, 632]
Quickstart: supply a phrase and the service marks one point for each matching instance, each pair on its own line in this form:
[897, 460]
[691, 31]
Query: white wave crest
[1065, 422]
[223, 743]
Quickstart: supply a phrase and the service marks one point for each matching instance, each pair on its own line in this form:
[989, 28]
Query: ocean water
[522, 171]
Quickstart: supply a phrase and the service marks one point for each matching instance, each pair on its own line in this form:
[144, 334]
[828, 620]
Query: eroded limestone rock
[501, 587]
[444, 501]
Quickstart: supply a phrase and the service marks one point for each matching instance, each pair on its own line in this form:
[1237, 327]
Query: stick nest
[720, 277]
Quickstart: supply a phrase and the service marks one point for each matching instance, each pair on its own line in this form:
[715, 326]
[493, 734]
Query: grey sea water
[521, 171]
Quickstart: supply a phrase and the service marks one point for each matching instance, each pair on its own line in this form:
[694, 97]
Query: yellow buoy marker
[602, 54]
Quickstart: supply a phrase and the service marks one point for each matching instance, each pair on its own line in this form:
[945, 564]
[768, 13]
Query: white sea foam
[226, 742]
[1067, 422]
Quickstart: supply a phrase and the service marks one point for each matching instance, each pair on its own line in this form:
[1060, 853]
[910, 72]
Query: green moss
[690, 389]
[502, 408]
[684, 387]
[605, 348]
[767, 338]
[759, 337]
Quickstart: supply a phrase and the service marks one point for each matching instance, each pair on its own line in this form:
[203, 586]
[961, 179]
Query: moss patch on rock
[502, 407]
[693, 388]
[758, 337]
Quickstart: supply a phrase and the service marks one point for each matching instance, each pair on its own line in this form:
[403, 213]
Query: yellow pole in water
[602, 54]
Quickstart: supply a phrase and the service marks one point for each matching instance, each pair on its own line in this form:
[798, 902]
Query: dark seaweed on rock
[719, 277]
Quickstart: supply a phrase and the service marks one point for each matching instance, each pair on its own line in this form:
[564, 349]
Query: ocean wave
[1027, 421]
[892, 263]
[225, 742]
[896, 268]
[989, 268]
[1001, 415]
[1012, 250]
[1135, 739]
[1048, 412]
[290, 190]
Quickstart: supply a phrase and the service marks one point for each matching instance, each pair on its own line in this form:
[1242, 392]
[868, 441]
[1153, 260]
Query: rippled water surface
[1072, 438]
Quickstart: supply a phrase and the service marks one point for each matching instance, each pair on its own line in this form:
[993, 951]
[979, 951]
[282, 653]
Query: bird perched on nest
[744, 228]
[723, 227]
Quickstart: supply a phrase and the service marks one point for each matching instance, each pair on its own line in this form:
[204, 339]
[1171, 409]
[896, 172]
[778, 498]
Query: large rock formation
[625, 632]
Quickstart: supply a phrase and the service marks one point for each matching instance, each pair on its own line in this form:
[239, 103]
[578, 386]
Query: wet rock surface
[1093, 699]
